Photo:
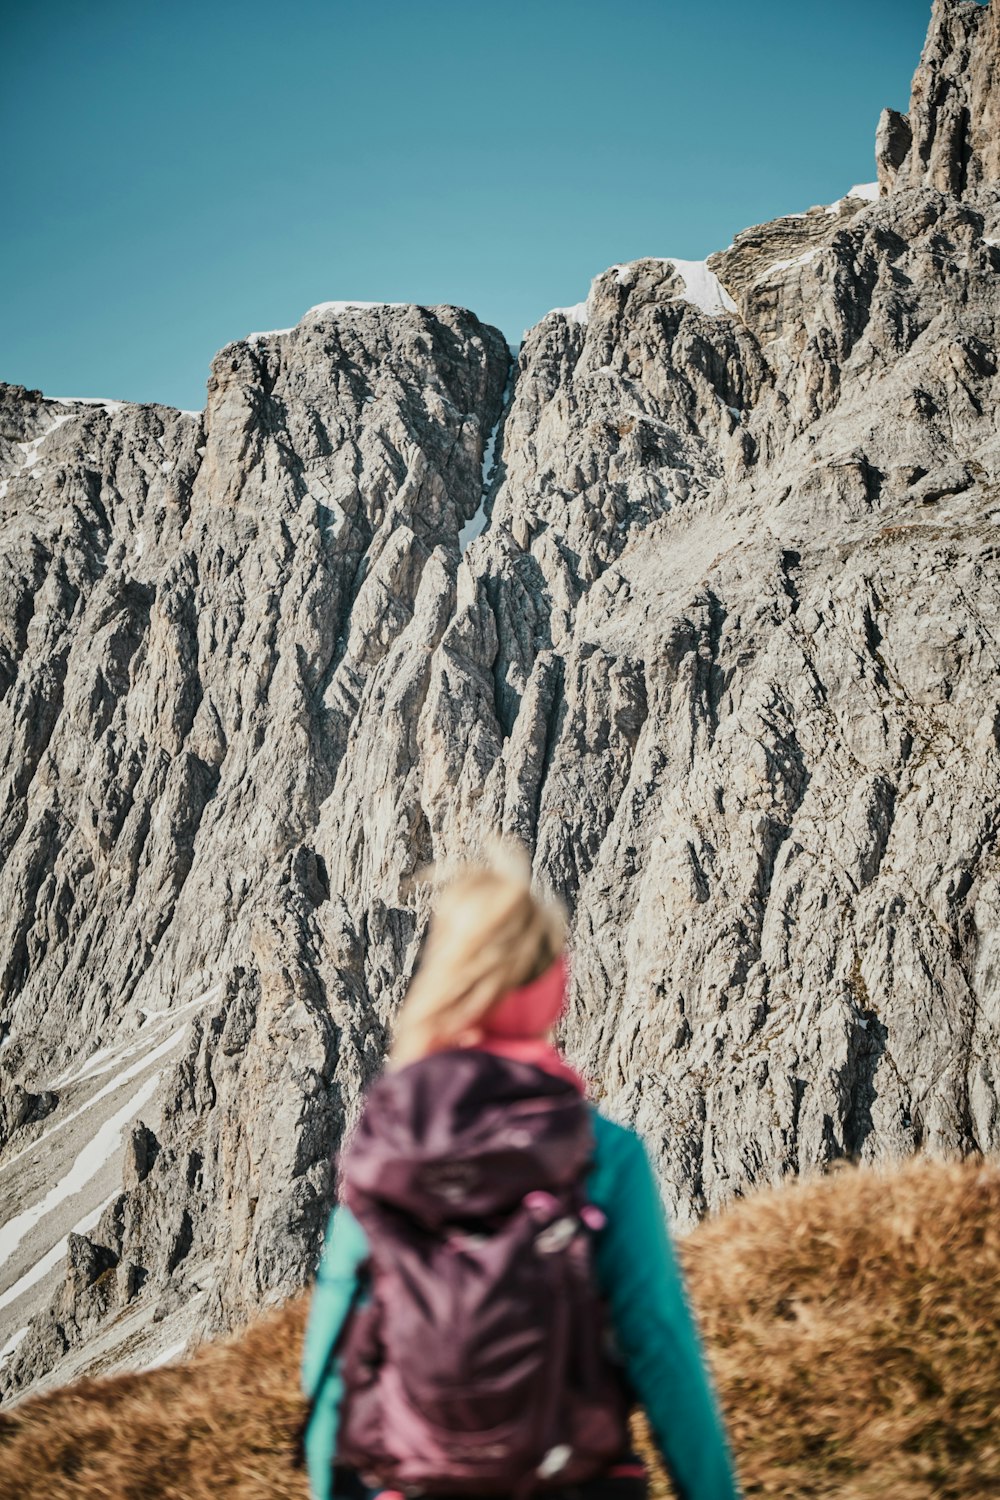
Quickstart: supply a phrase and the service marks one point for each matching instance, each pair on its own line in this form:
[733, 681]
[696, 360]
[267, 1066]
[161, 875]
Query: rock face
[195, 609]
[717, 640]
[952, 131]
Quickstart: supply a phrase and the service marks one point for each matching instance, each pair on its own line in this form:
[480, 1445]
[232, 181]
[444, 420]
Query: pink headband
[531, 1009]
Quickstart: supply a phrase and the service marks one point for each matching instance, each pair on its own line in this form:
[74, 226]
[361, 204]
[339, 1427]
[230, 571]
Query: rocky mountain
[697, 596]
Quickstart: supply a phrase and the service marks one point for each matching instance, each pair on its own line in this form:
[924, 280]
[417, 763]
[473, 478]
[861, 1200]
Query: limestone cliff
[709, 622]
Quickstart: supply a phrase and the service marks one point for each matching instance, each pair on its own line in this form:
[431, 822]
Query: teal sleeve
[639, 1276]
[344, 1251]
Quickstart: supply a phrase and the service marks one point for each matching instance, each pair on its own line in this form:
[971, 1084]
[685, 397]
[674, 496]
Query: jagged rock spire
[950, 139]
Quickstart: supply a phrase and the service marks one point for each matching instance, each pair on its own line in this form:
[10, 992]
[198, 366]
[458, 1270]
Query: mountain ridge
[720, 656]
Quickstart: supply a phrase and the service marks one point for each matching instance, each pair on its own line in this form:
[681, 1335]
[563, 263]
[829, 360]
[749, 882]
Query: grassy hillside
[854, 1330]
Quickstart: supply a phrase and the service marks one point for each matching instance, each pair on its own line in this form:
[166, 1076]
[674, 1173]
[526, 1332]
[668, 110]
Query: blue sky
[177, 175]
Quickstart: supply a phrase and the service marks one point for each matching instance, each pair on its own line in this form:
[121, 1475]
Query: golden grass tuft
[223, 1423]
[854, 1327]
[854, 1330]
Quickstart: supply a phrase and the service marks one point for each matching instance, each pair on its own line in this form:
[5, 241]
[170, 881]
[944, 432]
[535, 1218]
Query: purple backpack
[478, 1361]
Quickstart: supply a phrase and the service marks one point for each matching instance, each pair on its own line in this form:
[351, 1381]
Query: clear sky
[176, 175]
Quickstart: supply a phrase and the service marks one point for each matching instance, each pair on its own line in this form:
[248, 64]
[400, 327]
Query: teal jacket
[641, 1281]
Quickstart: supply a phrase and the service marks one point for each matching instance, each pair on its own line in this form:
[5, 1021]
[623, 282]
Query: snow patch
[90, 401]
[785, 265]
[319, 308]
[31, 449]
[702, 288]
[51, 1259]
[125, 1076]
[105, 1058]
[93, 1061]
[269, 333]
[325, 307]
[578, 313]
[166, 1356]
[868, 192]
[12, 1343]
[180, 1010]
[88, 1162]
[475, 526]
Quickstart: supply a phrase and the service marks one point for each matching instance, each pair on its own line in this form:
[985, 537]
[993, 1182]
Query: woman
[434, 1295]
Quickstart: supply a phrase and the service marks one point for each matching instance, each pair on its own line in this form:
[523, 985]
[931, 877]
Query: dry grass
[222, 1424]
[854, 1324]
[854, 1328]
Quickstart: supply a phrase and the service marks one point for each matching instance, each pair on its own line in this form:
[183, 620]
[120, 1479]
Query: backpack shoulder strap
[344, 1255]
[341, 1282]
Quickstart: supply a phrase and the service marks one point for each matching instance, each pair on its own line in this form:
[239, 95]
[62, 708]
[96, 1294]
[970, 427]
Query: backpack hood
[464, 1134]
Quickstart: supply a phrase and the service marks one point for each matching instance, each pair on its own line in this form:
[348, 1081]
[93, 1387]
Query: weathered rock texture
[950, 140]
[725, 656]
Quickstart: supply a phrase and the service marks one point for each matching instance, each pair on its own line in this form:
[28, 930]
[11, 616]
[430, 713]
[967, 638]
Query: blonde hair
[488, 934]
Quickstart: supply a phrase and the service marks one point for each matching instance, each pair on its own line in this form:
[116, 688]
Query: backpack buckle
[557, 1236]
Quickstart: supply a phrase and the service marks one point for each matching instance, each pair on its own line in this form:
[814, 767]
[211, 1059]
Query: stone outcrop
[950, 139]
[713, 635]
